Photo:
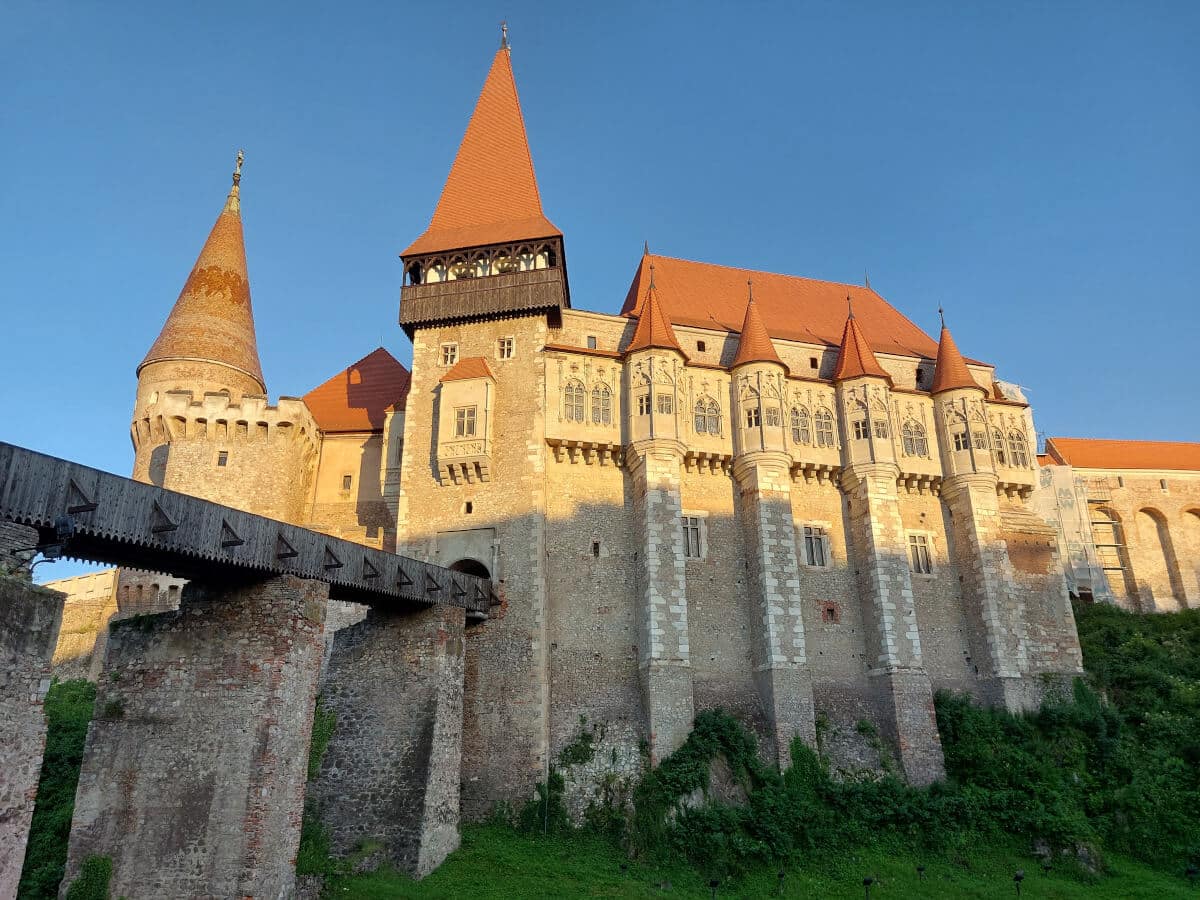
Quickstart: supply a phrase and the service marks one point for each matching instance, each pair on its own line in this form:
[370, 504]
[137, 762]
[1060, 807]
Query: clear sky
[1034, 167]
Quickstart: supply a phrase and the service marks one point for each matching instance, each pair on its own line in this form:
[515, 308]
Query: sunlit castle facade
[759, 492]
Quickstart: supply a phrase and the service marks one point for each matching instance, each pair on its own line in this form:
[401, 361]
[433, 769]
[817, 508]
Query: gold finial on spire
[504, 35]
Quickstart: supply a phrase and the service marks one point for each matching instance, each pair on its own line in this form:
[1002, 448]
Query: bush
[92, 881]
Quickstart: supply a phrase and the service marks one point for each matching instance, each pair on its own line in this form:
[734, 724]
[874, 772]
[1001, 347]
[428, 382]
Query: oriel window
[464, 422]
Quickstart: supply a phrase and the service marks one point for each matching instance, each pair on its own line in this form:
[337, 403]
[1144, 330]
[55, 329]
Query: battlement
[178, 415]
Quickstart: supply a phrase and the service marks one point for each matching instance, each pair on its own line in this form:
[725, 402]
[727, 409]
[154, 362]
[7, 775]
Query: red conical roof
[951, 370]
[653, 327]
[856, 358]
[491, 195]
[754, 344]
[212, 320]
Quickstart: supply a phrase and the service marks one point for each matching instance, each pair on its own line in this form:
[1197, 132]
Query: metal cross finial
[237, 171]
[504, 35]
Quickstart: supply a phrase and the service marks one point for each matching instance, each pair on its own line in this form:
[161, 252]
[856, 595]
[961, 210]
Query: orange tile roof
[653, 327]
[950, 370]
[794, 309]
[1089, 453]
[469, 367]
[856, 358]
[358, 397]
[212, 319]
[754, 344]
[491, 195]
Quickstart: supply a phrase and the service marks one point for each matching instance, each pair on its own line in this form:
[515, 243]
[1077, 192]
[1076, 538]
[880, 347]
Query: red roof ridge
[491, 194]
[855, 357]
[950, 371]
[653, 327]
[469, 367]
[1108, 453]
[212, 319]
[754, 344]
[359, 396]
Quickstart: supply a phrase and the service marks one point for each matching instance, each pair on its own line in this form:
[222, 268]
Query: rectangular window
[449, 354]
[752, 417]
[813, 363]
[814, 545]
[591, 342]
[980, 440]
[464, 422]
[772, 417]
[860, 430]
[960, 441]
[691, 537]
[347, 481]
[504, 348]
[881, 429]
[643, 404]
[666, 404]
[700, 346]
[222, 457]
[919, 558]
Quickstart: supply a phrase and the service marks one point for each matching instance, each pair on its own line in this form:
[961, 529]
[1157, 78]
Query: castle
[765, 493]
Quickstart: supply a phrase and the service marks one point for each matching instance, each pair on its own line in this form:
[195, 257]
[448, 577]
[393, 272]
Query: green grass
[497, 862]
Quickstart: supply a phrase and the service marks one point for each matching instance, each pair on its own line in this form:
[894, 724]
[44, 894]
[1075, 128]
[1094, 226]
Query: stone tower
[201, 421]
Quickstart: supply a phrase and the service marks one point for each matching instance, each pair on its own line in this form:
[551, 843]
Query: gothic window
[1018, 450]
[708, 416]
[643, 404]
[573, 395]
[860, 429]
[814, 546]
[881, 428]
[980, 440]
[961, 441]
[464, 422]
[913, 437]
[918, 552]
[824, 420]
[772, 415]
[449, 354]
[666, 404]
[692, 541]
[998, 447]
[753, 420]
[801, 426]
[601, 405]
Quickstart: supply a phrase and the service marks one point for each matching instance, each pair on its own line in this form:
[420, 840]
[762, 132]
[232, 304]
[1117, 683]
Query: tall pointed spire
[213, 321]
[856, 358]
[754, 344]
[653, 327]
[491, 195]
[951, 370]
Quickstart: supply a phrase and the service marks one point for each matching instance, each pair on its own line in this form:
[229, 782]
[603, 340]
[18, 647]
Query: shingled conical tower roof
[856, 358]
[754, 344]
[653, 328]
[212, 321]
[491, 195]
[951, 370]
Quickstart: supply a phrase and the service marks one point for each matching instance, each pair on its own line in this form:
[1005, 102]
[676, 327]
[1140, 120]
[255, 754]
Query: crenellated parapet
[179, 415]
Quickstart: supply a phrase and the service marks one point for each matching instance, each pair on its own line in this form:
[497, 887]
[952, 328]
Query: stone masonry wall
[14, 543]
[391, 772]
[194, 768]
[29, 620]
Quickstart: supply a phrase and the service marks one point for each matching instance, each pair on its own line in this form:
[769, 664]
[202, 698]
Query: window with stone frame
[824, 421]
[961, 441]
[920, 560]
[573, 401]
[666, 404]
[643, 404]
[449, 354]
[861, 432]
[881, 428]
[1018, 449]
[912, 436]
[601, 405]
[998, 451]
[816, 546]
[464, 422]
[801, 426]
[708, 416]
[980, 439]
[693, 536]
[772, 416]
[505, 348]
[753, 419]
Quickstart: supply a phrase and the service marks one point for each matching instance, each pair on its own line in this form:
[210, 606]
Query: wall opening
[471, 567]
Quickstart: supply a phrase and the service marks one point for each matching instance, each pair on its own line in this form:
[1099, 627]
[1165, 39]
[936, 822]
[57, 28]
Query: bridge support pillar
[390, 776]
[29, 621]
[194, 769]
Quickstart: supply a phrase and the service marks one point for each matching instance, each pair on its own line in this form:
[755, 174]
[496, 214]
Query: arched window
[708, 416]
[1018, 450]
[772, 416]
[824, 421]
[801, 426]
[998, 451]
[912, 436]
[601, 405]
[573, 396]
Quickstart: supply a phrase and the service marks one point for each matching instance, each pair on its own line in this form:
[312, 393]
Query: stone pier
[29, 622]
[390, 776]
[194, 769]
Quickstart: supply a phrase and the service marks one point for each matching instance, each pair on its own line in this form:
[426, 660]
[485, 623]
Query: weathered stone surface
[390, 775]
[29, 621]
[194, 768]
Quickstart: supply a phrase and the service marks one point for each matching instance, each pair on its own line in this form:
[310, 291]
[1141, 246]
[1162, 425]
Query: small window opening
[830, 613]
[591, 342]
[222, 457]
[1162, 483]
[813, 363]
[1120, 481]
[596, 548]
[700, 345]
[347, 481]
[468, 507]
[449, 354]
[920, 376]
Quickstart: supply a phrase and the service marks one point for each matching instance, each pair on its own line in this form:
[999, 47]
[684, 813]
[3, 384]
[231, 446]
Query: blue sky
[1030, 166]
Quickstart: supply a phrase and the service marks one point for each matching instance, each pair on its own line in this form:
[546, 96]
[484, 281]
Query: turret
[654, 366]
[863, 388]
[960, 412]
[759, 387]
